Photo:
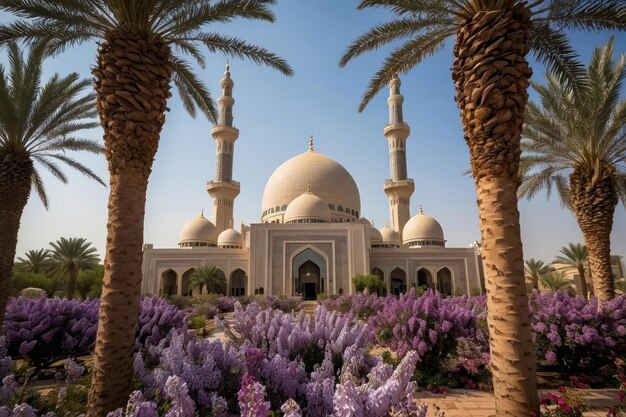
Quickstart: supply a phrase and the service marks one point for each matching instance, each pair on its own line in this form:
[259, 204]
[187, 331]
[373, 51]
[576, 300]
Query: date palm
[70, 256]
[142, 48]
[574, 142]
[576, 257]
[534, 269]
[210, 277]
[34, 261]
[38, 126]
[556, 281]
[491, 76]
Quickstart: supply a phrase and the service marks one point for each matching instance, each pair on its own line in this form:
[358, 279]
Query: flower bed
[44, 330]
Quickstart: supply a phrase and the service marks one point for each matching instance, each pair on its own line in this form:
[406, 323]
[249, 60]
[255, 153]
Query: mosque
[311, 239]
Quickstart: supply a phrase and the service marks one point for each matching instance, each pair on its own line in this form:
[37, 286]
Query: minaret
[223, 189]
[398, 188]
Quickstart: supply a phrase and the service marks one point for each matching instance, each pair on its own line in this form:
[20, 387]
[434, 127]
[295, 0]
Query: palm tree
[38, 124]
[491, 73]
[210, 277]
[575, 143]
[70, 256]
[35, 261]
[556, 281]
[534, 269]
[575, 256]
[142, 46]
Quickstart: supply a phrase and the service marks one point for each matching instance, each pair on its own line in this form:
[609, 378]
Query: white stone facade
[311, 238]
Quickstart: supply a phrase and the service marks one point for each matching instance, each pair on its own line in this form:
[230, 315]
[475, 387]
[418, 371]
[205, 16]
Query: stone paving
[470, 403]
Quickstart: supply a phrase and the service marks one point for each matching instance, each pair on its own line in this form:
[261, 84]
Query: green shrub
[321, 296]
[372, 282]
[196, 322]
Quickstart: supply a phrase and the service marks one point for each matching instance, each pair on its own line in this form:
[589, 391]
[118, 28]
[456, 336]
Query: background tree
[89, 282]
[373, 283]
[576, 256]
[534, 269]
[210, 277]
[575, 143]
[142, 46]
[38, 124]
[620, 285]
[35, 261]
[556, 281]
[70, 256]
[491, 73]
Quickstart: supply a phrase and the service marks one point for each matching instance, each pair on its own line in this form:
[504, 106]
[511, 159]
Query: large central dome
[328, 180]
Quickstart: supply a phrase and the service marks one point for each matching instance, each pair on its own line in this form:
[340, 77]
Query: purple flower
[251, 398]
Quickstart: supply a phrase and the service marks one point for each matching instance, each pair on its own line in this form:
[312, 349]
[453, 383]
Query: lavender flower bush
[572, 333]
[45, 330]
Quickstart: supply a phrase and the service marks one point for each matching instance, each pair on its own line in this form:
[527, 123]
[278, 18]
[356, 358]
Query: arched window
[284, 207]
[339, 208]
[331, 206]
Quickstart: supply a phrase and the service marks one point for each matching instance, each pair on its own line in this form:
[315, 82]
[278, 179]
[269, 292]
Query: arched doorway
[444, 282]
[309, 271]
[425, 278]
[186, 281]
[380, 274]
[310, 280]
[238, 280]
[169, 283]
[398, 281]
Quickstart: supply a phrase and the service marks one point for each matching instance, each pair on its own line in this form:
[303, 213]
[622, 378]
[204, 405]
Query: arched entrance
[310, 280]
[425, 278]
[309, 274]
[444, 282]
[186, 281]
[398, 281]
[238, 280]
[168, 283]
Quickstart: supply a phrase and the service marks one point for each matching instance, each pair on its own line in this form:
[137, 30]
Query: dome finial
[231, 222]
[311, 142]
[308, 186]
[202, 212]
[227, 72]
[421, 210]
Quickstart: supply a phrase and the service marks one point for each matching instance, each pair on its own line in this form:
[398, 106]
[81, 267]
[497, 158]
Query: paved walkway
[470, 403]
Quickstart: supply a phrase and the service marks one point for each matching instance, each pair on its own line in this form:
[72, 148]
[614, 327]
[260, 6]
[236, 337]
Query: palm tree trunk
[583, 282]
[536, 282]
[132, 82]
[594, 201]
[71, 283]
[491, 79]
[15, 179]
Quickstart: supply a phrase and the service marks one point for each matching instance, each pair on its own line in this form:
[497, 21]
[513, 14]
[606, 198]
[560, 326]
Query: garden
[359, 355]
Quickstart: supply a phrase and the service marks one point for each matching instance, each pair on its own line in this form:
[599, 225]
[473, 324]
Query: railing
[390, 181]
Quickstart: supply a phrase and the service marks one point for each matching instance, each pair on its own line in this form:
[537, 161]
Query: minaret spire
[223, 189]
[398, 187]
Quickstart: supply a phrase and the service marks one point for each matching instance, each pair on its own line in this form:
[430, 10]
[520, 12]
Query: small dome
[308, 208]
[423, 230]
[363, 220]
[198, 231]
[390, 236]
[229, 238]
[375, 236]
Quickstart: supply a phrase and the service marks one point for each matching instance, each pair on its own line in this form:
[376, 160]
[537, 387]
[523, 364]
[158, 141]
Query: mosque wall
[463, 264]
[157, 262]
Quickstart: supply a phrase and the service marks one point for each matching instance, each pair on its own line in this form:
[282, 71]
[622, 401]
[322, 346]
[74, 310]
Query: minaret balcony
[404, 187]
[224, 189]
[396, 129]
[225, 133]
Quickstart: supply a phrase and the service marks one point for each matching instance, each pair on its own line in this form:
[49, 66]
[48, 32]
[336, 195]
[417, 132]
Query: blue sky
[275, 115]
